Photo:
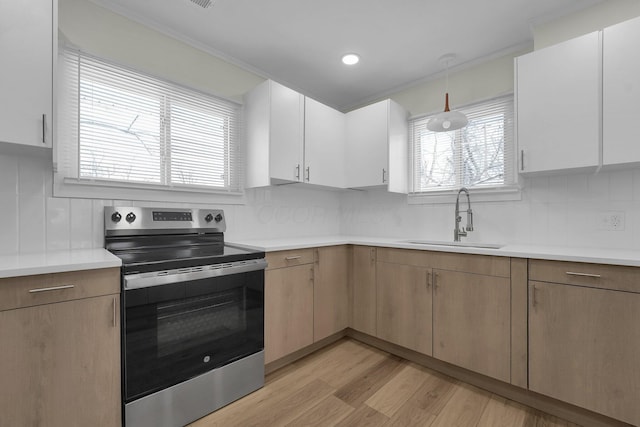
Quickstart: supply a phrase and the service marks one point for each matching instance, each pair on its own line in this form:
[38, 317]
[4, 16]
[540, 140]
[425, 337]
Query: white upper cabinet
[376, 152]
[324, 144]
[292, 138]
[26, 73]
[559, 106]
[621, 94]
[274, 117]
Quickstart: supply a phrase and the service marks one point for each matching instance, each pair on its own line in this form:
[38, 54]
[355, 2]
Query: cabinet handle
[521, 160]
[308, 173]
[571, 273]
[373, 255]
[435, 281]
[44, 128]
[298, 172]
[429, 279]
[54, 288]
[384, 176]
[114, 312]
[534, 300]
[291, 258]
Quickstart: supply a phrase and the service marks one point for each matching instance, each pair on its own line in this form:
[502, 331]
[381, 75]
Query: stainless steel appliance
[193, 314]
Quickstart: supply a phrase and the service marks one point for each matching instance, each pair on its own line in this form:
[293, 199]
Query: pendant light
[447, 120]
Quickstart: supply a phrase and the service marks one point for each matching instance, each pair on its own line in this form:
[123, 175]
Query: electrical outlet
[611, 221]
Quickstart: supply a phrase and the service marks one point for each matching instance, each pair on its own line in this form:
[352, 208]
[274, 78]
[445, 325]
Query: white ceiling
[300, 42]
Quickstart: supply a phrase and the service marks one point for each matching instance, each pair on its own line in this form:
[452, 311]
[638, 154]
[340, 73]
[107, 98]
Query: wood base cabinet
[60, 364]
[584, 347]
[330, 291]
[288, 300]
[363, 284]
[472, 322]
[404, 305]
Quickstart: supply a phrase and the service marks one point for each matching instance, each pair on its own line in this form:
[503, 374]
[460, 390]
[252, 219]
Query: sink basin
[458, 244]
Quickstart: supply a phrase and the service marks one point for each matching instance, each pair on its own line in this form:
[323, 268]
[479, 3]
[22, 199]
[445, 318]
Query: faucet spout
[457, 231]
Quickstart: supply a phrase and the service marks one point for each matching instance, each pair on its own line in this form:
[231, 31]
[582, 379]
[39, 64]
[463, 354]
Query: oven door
[180, 324]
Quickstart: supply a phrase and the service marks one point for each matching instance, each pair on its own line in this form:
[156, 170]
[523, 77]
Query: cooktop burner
[153, 239]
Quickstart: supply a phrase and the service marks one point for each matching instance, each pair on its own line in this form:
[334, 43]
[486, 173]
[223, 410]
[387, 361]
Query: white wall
[562, 210]
[559, 210]
[34, 221]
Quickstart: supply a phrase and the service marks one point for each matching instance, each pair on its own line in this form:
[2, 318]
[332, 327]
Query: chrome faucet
[457, 232]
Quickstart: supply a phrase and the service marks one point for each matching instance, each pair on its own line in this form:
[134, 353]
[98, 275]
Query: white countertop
[56, 262]
[627, 257]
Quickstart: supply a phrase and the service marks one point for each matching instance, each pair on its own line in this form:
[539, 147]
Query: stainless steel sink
[460, 244]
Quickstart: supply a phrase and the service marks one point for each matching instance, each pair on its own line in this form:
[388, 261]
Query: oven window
[177, 331]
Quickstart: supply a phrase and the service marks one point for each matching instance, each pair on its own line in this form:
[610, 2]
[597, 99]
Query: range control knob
[130, 217]
[116, 217]
[218, 218]
[208, 218]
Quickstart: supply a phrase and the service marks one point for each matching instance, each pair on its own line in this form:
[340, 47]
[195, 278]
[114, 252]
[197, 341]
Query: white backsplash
[558, 210]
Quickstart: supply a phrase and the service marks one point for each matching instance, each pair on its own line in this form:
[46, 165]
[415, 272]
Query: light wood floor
[353, 384]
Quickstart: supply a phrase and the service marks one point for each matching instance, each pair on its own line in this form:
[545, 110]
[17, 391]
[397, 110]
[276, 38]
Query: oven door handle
[166, 277]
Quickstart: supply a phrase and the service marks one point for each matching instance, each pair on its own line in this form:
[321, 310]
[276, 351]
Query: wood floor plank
[364, 416]
[464, 409]
[395, 393]
[357, 391]
[501, 412]
[328, 412]
[352, 384]
[434, 394]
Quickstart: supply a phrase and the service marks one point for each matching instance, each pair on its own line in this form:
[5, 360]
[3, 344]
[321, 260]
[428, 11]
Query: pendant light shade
[447, 120]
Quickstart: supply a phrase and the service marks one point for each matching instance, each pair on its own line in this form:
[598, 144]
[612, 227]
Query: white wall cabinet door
[274, 118]
[559, 106]
[376, 146]
[621, 93]
[368, 145]
[26, 74]
[324, 145]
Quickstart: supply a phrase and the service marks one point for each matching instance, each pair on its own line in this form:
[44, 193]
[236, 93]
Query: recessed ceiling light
[350, 59]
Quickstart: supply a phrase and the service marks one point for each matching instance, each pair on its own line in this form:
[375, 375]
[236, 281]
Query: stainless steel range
[193, 314]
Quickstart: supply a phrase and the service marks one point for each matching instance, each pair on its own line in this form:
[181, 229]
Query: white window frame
[68, 183]
[490, 193]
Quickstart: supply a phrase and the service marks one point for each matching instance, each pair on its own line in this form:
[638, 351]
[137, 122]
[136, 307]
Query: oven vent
[203, 3]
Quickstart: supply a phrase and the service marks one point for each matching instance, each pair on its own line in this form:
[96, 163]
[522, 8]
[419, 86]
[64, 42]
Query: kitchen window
[122, 128]
[479, 156]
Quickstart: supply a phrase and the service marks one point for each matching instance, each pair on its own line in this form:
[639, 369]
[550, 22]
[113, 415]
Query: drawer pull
[571, 273]
[291, 258]
[54, 288]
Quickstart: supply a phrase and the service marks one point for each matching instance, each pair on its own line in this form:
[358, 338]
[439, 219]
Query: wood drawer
[290, 258]
[601, 276]
[27, 291]
[467, 263]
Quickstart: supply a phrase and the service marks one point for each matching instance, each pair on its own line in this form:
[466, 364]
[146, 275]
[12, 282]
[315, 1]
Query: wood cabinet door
[558, 106]
[60, 364]
[584, 347]
[404, 301]
[620, 93]
[288, 312]
[331, 291]
[324, 145]
[26, 75]
[471, 322]
[363, 284]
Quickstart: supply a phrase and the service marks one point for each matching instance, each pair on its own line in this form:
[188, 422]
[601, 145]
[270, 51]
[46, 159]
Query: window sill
[90, 189]
[495, 194]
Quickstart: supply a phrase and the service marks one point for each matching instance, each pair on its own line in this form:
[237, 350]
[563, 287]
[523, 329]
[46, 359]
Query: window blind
[478, 155]
[122, 126]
